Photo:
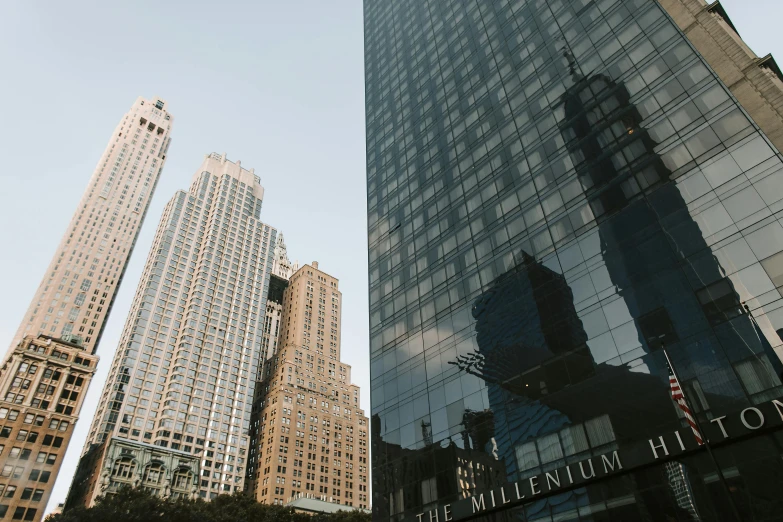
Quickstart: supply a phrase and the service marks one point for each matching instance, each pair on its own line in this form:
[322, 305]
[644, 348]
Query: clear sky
[276, 84]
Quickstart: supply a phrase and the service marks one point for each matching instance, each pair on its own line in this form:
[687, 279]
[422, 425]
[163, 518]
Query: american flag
[679, 398]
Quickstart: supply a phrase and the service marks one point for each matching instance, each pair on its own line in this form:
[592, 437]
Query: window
[429, 490]
[527, 456]
[774, 267]
[657, 328]
[124, 468]
[61, 425]
[600, 431]
[549, 448]
[153, 474]
[757, 374]
[719, 301]
[569, 441]
[182, 479]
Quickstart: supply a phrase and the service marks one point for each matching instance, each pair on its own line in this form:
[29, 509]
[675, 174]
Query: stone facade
[125, 463]
[42, 387]
[754, 81]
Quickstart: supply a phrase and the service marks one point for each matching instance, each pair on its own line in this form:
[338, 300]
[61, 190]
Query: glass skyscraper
[572, 220]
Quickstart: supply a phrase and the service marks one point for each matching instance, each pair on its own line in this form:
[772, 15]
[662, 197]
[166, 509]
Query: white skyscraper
[175, 410]
[77, 292]
[48, 367]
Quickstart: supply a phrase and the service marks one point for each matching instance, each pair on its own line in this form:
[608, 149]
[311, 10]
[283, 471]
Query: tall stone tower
[310, 435]
[51, 360]
[77, 292]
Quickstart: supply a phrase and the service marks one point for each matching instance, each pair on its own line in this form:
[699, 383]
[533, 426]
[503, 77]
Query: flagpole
[706, 440]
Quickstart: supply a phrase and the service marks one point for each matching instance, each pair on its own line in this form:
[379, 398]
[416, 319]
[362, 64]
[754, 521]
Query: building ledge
[317, 505]
[718, 9]
[64, 342]
[768, 62]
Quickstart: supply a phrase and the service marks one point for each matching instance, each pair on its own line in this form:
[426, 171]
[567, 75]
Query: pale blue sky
[278, 85]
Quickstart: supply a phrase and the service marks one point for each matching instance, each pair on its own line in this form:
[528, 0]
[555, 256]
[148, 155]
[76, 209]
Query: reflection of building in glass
[556, 190]
[424, 476]
[528, 348]
[655, 254]
[550, 403]
[677, 476]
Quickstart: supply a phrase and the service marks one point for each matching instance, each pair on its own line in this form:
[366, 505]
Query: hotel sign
[642, 453]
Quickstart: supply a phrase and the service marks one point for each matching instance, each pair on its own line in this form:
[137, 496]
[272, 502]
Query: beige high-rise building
[175, 410]
[43, 383]
[78, 289]
[49, 365]
[309, 435]
[282, 269]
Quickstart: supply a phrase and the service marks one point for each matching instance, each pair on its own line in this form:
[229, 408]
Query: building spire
[569, 56]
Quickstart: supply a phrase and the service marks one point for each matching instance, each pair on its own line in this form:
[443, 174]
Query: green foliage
[136, 505]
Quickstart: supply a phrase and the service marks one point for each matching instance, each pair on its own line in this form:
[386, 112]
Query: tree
[136, 505]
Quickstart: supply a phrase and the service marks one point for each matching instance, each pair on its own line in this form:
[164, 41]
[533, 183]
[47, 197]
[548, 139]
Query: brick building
[309, 433]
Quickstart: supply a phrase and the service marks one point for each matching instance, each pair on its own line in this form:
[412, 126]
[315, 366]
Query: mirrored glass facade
[561, 195]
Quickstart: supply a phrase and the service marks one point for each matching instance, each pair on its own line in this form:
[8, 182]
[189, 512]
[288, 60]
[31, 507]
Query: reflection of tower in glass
[675, 290]
[677, 475]
[550, 404]
[531, 344]
[676, 293]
